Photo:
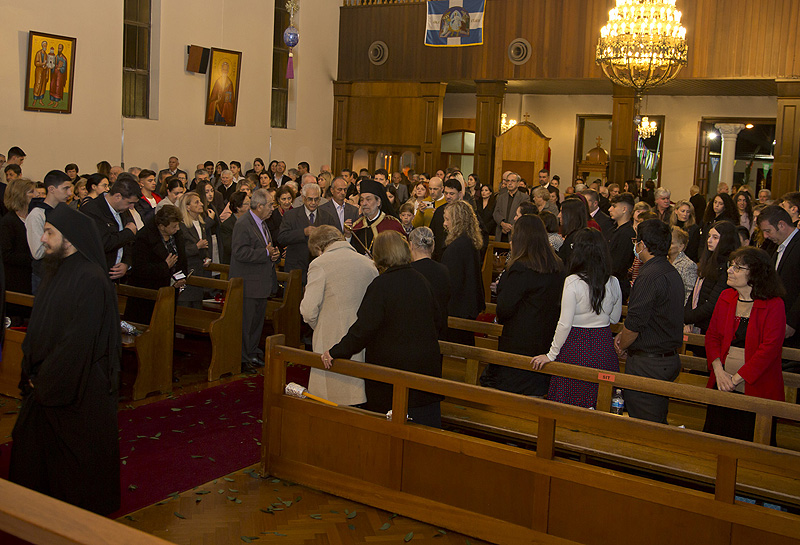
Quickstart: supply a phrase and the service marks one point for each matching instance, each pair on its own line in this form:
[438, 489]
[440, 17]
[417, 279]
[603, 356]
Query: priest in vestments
[374, 217]
[66, 439]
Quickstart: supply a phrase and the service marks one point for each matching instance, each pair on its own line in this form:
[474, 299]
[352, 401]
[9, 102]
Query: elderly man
[173, 169]
[111, 212]
[226, 186]
[65, 438]
[114, 172]
[253, 257]
[374, 218]
[399, 187]
[606, 224]
[765, 196]
[506, 207]
[305, 180]
[297, 225]
[427, 207]
[338, 207]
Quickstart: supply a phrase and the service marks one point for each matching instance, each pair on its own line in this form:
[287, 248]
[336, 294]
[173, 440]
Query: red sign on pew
[608, 377]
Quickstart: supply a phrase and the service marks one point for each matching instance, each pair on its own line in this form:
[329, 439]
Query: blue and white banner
[455, 23]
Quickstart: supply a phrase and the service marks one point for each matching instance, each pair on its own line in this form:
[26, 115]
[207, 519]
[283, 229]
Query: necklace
[745, 300]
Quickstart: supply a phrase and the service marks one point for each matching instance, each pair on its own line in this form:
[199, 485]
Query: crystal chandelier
[646, 128]
[643, 45]
[506, 123]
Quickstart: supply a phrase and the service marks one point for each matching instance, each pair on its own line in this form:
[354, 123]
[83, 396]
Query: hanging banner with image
[454, 23]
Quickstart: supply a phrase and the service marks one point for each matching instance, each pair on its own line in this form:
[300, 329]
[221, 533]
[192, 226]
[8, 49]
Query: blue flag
[454, 23]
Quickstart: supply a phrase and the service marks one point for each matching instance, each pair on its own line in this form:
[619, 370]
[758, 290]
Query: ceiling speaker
[378, 53]
[519, 51]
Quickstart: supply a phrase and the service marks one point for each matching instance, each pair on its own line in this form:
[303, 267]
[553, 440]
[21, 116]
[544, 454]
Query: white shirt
[782, 247]
[576, 310]
[340, 211]
[196, 224]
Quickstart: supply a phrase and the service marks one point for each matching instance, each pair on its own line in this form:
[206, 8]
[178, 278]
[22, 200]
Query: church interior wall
[95, 128]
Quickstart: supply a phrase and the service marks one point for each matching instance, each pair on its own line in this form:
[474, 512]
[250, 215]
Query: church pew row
[284, 312]
[153, 347]
[42, 520]
[224, 328]
[503, 493]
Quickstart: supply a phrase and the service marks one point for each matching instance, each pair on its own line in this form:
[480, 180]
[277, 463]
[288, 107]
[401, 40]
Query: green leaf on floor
[268, 510]
[179, 515]
[233, 490]
[386, 526]
[197, 456]
[352, 515]
[132, 487]
[409, 537]
[229, 479]
[318, 517]
[468, 541]
[237, 500]
[231, 498]
[221, 491]
[298, 498]
[351, 527]
[287, 503]
[279, 534]
[130, 518]
[175, 410]
[212, 459]
[441, 531]
[275, 480]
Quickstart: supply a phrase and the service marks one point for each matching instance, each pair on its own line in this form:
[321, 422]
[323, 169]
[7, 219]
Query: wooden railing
[42, 520]
[499, 492]
[361, 3]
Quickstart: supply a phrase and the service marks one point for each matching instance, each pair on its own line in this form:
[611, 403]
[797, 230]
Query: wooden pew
[43, 520]
[224, 328]
[489, 266]
[154, 346]
[11, 366]
[283, 313]
[506, 494]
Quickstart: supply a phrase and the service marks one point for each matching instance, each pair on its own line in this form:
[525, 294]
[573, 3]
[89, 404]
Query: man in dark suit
[253, 257]
[606, 224]
[173, 169]
[506, 207]
[297, 224]
[620, 243]
[698, 202]
[776, 224]
[338, 207]
[111, 213]
[452, 193]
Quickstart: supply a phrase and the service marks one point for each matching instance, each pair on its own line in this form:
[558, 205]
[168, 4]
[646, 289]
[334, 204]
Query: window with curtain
[136, 59]
[280, 58]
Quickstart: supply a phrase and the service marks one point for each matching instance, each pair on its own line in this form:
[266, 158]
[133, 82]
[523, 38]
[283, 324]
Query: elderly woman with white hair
[337, 281]
[421, 241]
[663, 208]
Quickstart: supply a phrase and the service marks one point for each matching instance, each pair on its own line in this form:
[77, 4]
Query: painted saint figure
[220, 102]
[58, 77]
[41, 75]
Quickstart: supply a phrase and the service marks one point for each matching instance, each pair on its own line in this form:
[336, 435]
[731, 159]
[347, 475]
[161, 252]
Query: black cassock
[66, 439]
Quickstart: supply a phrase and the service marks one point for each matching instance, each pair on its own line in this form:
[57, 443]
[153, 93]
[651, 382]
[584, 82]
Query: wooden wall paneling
[341, 97]
[458, 124]
[726, 39]
[622, 154]
[433, 96]
[489, 96]
[787, 139]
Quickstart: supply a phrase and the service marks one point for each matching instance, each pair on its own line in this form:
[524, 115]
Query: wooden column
[489, 95]
[787, 139]
[622, 156]
[341, 100]
[431, 147]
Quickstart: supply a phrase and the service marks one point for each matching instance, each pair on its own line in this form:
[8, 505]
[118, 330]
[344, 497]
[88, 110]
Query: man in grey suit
[400, 187]
[338, 207]
[506, 207]
[253, 257]
[297, 225]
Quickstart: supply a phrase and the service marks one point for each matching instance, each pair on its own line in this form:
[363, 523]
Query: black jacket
[397, 324]
[607, 225]
[463, 261]
[706, 301]
[528, 306]
[789, 271]
[149, 258]
[112, 238]
[439, 278]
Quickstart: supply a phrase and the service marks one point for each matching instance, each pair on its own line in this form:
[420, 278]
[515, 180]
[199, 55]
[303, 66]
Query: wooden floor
[244, 508]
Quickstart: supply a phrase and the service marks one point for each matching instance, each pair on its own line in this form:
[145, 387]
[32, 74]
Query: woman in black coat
[421, 241]
[462, 258]
[574, 216]
[397, 324]
[16, 253]
[528, 306]
[158, 253]
[712, 276]
[485, 202]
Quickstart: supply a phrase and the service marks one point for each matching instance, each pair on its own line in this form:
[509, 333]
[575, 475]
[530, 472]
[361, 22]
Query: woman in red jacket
[744, 341]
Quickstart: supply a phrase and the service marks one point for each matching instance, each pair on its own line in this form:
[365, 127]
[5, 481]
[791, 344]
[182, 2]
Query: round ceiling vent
[378, 53]
[519, 51]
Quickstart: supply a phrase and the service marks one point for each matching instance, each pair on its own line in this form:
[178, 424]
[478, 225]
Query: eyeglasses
[736, 267]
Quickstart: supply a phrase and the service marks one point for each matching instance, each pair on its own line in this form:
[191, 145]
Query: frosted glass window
[469, 142]
[451, 142]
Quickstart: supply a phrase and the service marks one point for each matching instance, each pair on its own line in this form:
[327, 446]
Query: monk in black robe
[66, 439]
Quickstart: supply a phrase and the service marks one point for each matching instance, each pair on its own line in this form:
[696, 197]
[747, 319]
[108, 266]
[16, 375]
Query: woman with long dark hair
[473, 183]
[590, 303]
[574, 216]
[744, 205]
[484, 202]
[720, 208]
[711, 275]
[744, 341]
[528, 293]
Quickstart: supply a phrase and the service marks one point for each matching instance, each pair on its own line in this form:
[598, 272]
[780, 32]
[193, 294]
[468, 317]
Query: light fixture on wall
[646, 127]
[506, 123]
[291, 36]
[643, 45]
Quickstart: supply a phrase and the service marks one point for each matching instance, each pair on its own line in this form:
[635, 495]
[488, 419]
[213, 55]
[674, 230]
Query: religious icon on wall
[51, 70]
[223, 87]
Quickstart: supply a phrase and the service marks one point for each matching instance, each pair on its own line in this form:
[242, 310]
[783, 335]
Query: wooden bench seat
[224, 328]
[154, 346]
[11, 366]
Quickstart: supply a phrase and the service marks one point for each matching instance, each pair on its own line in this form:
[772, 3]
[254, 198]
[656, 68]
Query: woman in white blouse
[590, 303]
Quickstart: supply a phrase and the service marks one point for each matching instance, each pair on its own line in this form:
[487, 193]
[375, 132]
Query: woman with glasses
[744, 341]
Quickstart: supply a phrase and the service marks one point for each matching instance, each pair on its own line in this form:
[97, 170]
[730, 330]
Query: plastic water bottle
[617, 402]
